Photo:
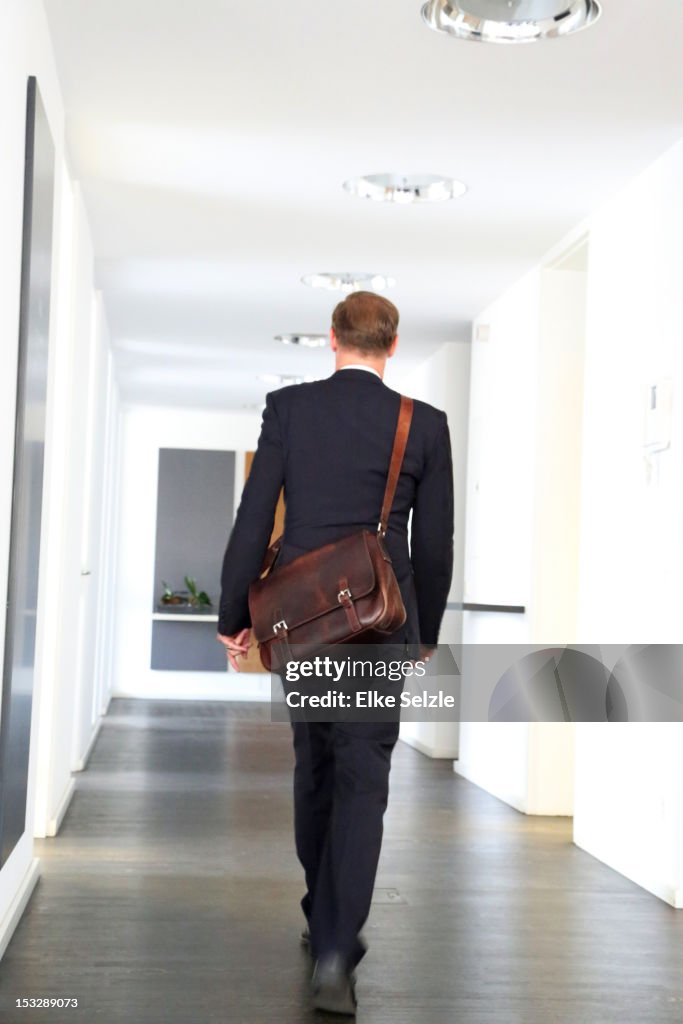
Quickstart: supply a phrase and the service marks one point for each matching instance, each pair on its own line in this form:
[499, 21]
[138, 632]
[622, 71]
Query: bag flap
[307, 587]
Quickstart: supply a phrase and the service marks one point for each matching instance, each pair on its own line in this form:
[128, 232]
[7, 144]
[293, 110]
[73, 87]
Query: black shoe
[333, 986]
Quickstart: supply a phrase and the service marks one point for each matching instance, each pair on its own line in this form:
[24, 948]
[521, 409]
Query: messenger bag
[343, 592]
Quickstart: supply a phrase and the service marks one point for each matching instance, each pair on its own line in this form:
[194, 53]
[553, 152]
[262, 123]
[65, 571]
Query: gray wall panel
[187, 647]
[195, 509]
[27, 492]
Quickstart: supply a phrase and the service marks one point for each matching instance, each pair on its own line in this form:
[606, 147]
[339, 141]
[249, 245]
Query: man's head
[364, 326]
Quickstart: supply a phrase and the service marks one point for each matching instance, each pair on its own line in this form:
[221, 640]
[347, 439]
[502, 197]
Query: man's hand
[425, 654]
[236, 645]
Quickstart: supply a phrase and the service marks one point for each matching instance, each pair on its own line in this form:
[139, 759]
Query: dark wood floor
[171, 895]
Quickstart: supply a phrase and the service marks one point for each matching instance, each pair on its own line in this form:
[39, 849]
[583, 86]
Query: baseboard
[82, 763]
[512, 799]
[54, 824]
[661, 889]
[428, 750]
[225, 686]
[18, 905]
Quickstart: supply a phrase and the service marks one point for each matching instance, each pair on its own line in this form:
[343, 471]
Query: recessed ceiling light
[283, 379]
[510, 21]
[280, 378]
[405, 188]
[305, 340]
[349, 282]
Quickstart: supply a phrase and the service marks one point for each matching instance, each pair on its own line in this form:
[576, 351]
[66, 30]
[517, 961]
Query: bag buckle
[280, 626]
[344, 595]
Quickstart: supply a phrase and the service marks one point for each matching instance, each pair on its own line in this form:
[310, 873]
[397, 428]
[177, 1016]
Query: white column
[523, 478]
[443, 381]
[51, 784]
[629, 778]
[629, 801]
[529, 765]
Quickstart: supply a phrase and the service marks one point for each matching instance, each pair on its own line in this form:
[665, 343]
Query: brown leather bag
[344, 592]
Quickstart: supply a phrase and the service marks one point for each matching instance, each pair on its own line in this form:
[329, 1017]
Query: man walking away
[329, 444]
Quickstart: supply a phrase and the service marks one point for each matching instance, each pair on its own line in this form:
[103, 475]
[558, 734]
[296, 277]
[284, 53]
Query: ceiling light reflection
[303, 340]
[510, 21]
[405, 188]
[349, 282]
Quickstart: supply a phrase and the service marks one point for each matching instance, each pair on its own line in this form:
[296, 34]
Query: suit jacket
[329, 443]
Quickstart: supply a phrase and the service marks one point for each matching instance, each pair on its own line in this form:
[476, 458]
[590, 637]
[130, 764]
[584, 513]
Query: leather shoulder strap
[271, 557]
[405, 416]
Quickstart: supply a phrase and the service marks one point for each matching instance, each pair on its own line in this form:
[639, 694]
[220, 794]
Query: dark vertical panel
[184, 646]
[195, 507]
[27, 488]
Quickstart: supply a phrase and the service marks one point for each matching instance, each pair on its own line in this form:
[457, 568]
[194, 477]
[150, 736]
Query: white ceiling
[212, 139]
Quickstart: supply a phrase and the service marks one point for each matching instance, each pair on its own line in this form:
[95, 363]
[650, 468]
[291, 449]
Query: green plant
[170, 596]
[198, 598]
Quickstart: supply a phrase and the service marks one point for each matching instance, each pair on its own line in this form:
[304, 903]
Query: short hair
[365, 322]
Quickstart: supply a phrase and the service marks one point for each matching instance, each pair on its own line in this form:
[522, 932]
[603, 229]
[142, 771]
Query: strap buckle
[344, 595]
[381, 530]
[280, 626]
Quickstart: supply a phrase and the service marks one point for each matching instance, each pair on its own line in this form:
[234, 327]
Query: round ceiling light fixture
[405, 188]
[349, 282]
[510, 21]
[304, 340]
[282, 379]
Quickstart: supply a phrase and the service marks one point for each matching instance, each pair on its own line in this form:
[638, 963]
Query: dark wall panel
[27, 492]
[186, 646]
[195, 508]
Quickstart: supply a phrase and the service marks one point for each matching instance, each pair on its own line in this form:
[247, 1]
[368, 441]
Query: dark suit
[329, 444]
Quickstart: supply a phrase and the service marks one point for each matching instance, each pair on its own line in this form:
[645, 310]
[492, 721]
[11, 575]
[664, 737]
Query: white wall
[82, 390]
[553, 600]
[91, 400]
[524, 461]
[630, 777]
[631, 557]
[25, 49]
[500, 466]
[523, 517]
[52, 732]
[145, 430]
[629, 806]
[628, 545]
[443, 380]
[105, 533]
[498, 518]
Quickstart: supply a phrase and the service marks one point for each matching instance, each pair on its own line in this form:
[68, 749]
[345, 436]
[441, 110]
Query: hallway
[171, 894]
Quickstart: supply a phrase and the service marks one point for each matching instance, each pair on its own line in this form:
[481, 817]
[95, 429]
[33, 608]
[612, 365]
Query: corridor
[171, 895]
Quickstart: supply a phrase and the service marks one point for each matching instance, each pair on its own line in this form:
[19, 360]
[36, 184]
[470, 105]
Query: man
[329, 444]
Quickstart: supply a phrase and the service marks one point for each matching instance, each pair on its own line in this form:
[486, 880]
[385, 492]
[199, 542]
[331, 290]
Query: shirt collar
[360, 366]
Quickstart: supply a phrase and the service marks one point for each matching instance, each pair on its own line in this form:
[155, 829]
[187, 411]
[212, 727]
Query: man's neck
[343, 359]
